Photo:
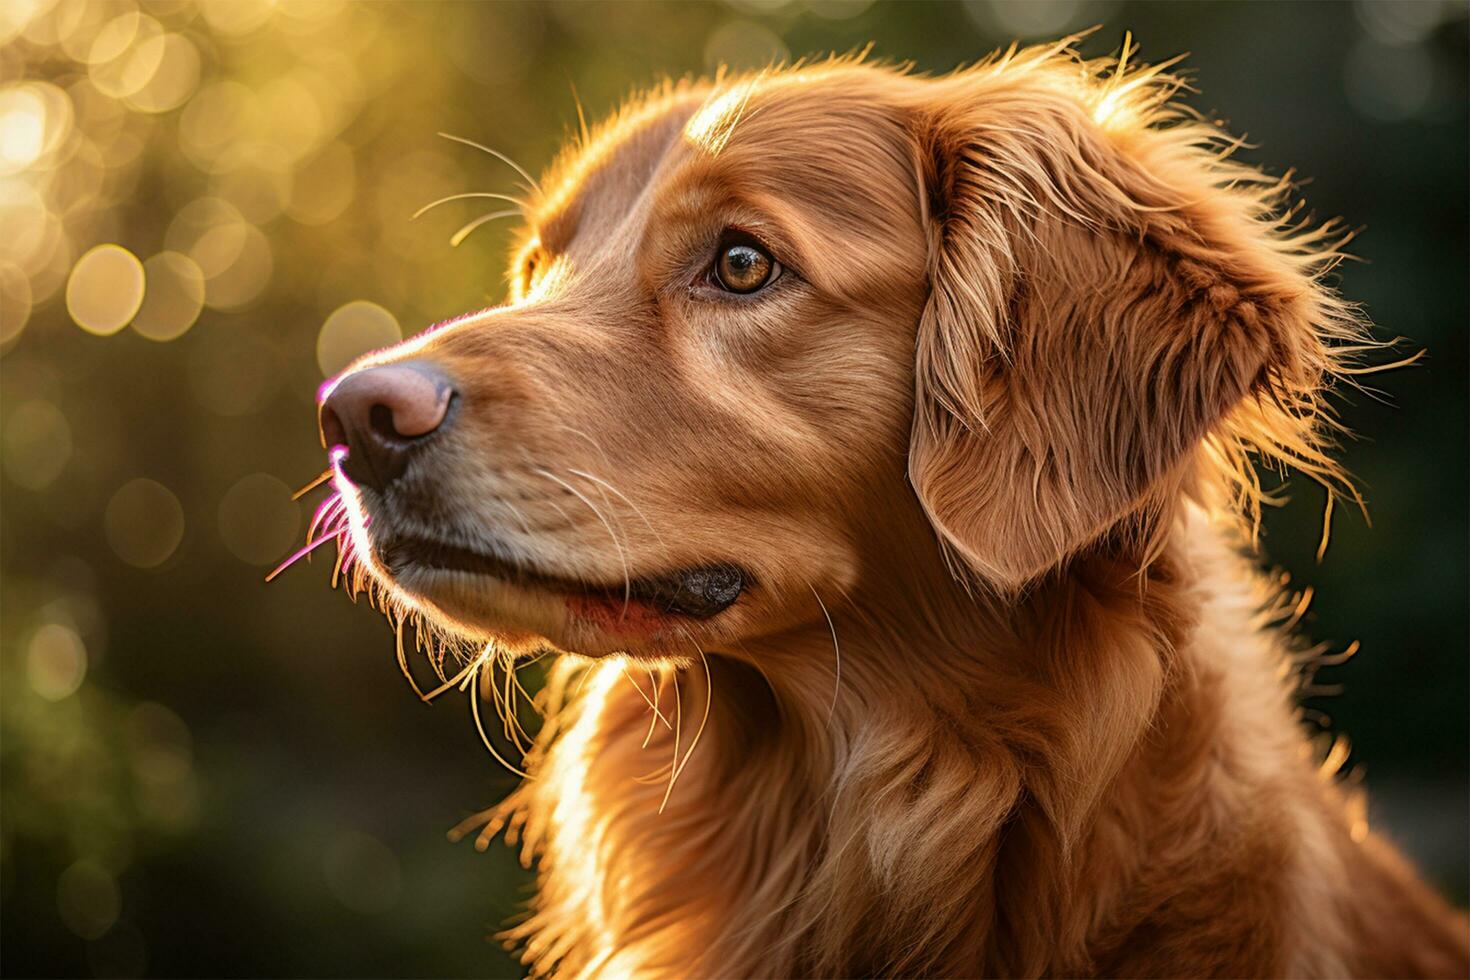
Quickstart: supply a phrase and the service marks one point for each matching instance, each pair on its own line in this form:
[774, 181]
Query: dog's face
[698, 397]
[755, 325]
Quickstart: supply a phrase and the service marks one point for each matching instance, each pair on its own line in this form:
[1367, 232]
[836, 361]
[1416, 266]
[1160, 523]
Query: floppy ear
[1106, 291]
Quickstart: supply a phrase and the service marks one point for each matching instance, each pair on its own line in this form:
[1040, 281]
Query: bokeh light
[36, 444]
[173, 299]
[56, 662]
[88, 899]
[173, 79]
[258, 520]
[105, 289]
[144, 522]
[352, 330]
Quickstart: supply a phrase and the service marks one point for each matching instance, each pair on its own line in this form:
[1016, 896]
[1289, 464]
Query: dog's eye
[529, 267]
[744, 267]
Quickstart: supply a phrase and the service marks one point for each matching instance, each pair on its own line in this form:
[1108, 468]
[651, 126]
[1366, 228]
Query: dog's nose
[382, 415]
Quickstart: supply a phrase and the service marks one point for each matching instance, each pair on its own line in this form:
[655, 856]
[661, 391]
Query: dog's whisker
[463, 677]
[331, 511]
[836, 655]
[509, 198]
[657, 715]
[297, 556]
[403, 659]
[480, 727]
[326, 475]
[596, 446]
[499, 156]
[458, 237]
[656, 684]
[519, 516]
[514, 690]
[624, 497]
[709, 696]
[507, 705]
[678, 730]
[622, 554]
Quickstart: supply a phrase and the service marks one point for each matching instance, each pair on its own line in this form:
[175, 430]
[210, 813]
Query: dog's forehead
[806, 136]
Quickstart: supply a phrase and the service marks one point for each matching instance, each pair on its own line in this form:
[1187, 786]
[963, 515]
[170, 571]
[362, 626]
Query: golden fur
[1007, 694]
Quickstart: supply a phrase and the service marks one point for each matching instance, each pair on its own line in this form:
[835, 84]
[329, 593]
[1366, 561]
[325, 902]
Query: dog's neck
[992, 787]
[961, 760]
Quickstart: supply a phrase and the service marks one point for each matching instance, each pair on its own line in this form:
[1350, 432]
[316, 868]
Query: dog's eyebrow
[701, 204]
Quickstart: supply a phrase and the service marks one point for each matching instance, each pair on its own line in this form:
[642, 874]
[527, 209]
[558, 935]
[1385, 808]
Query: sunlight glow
[712, 126]
[577, 834]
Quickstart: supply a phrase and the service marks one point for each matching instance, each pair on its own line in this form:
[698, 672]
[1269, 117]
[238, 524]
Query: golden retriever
[875, 454]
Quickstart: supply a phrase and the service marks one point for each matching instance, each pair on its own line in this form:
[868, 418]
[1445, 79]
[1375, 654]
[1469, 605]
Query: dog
[876, 455]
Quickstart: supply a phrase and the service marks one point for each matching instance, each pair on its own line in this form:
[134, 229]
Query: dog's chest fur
[1167, 816]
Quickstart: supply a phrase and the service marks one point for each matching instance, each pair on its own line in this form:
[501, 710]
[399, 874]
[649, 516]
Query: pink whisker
[326, 513]
[302, 553]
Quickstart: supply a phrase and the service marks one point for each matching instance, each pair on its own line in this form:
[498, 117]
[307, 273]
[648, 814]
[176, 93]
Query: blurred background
[205, 209]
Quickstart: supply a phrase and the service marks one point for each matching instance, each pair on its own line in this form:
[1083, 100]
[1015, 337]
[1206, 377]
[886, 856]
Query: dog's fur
[1006, 694]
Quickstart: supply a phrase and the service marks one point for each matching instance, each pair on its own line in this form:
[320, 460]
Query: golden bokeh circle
[258, 520]
[237, 263]
[56, 662]
[126, 73]
[36, 444]
[16, 303]
[215, 122]
[160, 746]
[114, 38]
[236, 17]
[105, 289]
[194, 219]
[352, 330]
[35, 119]
[324, 185]
[173, 299]
[144, 523]
[174, 79]
[88, 899]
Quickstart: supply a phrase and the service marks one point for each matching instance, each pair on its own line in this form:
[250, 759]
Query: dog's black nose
[382, 415]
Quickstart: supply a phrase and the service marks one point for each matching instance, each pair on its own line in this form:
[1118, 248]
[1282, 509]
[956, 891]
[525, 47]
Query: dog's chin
[486, 598]
[483, 607]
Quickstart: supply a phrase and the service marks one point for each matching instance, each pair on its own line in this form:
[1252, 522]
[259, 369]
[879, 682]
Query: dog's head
[757, 322]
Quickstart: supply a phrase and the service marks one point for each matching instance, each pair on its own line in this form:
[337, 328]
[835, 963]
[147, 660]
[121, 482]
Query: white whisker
[709, 696]
[626, 499]
[518, 202]
[622, 555]
[458, 237]
[836, 653]
[499, 156]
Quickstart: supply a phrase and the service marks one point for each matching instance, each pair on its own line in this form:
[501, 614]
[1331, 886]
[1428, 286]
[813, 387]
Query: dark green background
[322, 783]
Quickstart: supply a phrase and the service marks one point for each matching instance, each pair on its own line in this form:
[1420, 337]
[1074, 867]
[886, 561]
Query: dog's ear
[1107, 290]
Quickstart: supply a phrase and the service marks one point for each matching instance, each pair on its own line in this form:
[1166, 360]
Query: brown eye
[744, 268]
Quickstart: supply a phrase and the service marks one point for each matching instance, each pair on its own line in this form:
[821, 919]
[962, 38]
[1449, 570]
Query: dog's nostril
[380, 418]
[382, 414]
[333, 433]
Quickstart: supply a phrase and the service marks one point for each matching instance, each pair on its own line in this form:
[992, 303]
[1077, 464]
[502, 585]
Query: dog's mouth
[699, 592]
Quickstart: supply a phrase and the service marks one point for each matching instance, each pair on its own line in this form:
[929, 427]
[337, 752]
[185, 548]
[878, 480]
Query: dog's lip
[698, 592]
